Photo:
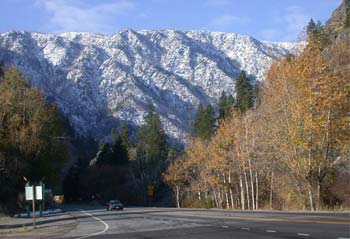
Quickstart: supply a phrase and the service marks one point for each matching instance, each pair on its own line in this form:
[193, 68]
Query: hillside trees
[204, 122]
[244, 92]
[287, 151]
[226, 103]
[30, 136]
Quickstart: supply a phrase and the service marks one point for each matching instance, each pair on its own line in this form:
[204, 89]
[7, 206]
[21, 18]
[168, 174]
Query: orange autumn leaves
[298, 133]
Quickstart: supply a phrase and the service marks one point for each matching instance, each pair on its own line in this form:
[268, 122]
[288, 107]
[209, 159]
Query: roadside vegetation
[31, 133]
[287, 147]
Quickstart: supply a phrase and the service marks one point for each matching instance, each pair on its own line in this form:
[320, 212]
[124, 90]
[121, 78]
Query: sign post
[33, 193]
[150, 192]
[30, 196]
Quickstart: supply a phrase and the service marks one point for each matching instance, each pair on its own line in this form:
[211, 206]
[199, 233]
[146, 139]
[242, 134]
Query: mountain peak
[99, 80]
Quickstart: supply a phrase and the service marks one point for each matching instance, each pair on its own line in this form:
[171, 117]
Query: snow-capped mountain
[99, 80]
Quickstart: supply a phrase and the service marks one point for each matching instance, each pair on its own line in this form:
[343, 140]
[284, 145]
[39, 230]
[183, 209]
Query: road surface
[196, 223]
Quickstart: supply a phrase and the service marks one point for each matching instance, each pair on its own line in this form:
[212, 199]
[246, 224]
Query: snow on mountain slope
[99, 80]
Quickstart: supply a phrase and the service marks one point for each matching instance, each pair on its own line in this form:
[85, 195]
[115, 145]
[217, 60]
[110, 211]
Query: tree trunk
[257, 191]
[310, 198]
[226, 194]
[247, 189]
[250, 167]
[271, 189]
[231, 194]
[220, 198]
[177, 196]
[242, 191]
[251, 183]
[216, 199]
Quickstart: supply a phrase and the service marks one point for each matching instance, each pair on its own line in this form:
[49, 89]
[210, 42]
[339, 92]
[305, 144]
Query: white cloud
[76, 15]
[226, 21]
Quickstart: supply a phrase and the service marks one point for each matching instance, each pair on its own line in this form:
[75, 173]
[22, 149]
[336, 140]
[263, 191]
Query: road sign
[150, 189]
[38, 192]
[29, 193]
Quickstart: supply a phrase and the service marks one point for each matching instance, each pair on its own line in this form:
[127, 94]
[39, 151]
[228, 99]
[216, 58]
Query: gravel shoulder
[50, 226]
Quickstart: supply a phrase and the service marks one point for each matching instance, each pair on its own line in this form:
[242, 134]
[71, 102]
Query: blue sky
[274, 20]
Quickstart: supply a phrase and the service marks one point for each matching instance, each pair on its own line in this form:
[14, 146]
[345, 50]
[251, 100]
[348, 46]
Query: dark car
[114, 204]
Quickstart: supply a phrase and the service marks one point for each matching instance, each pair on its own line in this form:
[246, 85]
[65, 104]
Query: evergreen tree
[209, 122]
[204, 123]
[119, 152]
[311, 28]
[318, 34]
[198, 120]
[244, 91]
[223, 105]
[71, 184]
[103, 155]
[114, 134]
[124, 135]
[151, 139]
[230, 105]
[173, 152]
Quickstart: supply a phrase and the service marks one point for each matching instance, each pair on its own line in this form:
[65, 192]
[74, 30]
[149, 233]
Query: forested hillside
[288, 150]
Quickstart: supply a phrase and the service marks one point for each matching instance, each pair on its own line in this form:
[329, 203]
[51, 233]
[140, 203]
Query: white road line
[245, 228]
[343, 237]
[270, 231]
[96, 233]
[303, 234]
[224, 226]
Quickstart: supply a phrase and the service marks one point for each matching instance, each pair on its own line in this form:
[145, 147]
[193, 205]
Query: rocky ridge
[98, 81]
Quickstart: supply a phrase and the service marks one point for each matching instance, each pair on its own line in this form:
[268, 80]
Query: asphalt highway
[196, 223]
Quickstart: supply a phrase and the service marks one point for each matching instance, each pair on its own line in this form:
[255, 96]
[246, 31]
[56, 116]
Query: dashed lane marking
[245, 228]
[303, 234]
[270, 231]
[264, 219]
[96, 233]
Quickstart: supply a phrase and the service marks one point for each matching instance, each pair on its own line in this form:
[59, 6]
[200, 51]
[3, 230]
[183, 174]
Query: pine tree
[114, 134]
[198, 120]
[311, 28]
[244, 91]
[230, 105]
[124, 135]
[209, 122]
[223, 105]
[119, 152]
[204, 122]
[151, 139]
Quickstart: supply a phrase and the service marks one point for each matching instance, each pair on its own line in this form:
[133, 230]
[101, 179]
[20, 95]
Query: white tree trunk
[242, 191]
[231, 194]
[226, 194]
[177, 196]
[257, 191]
[251, 183]
[247, 189]
[311, 198]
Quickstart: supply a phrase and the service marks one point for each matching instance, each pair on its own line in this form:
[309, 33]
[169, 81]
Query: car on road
[115, 204]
